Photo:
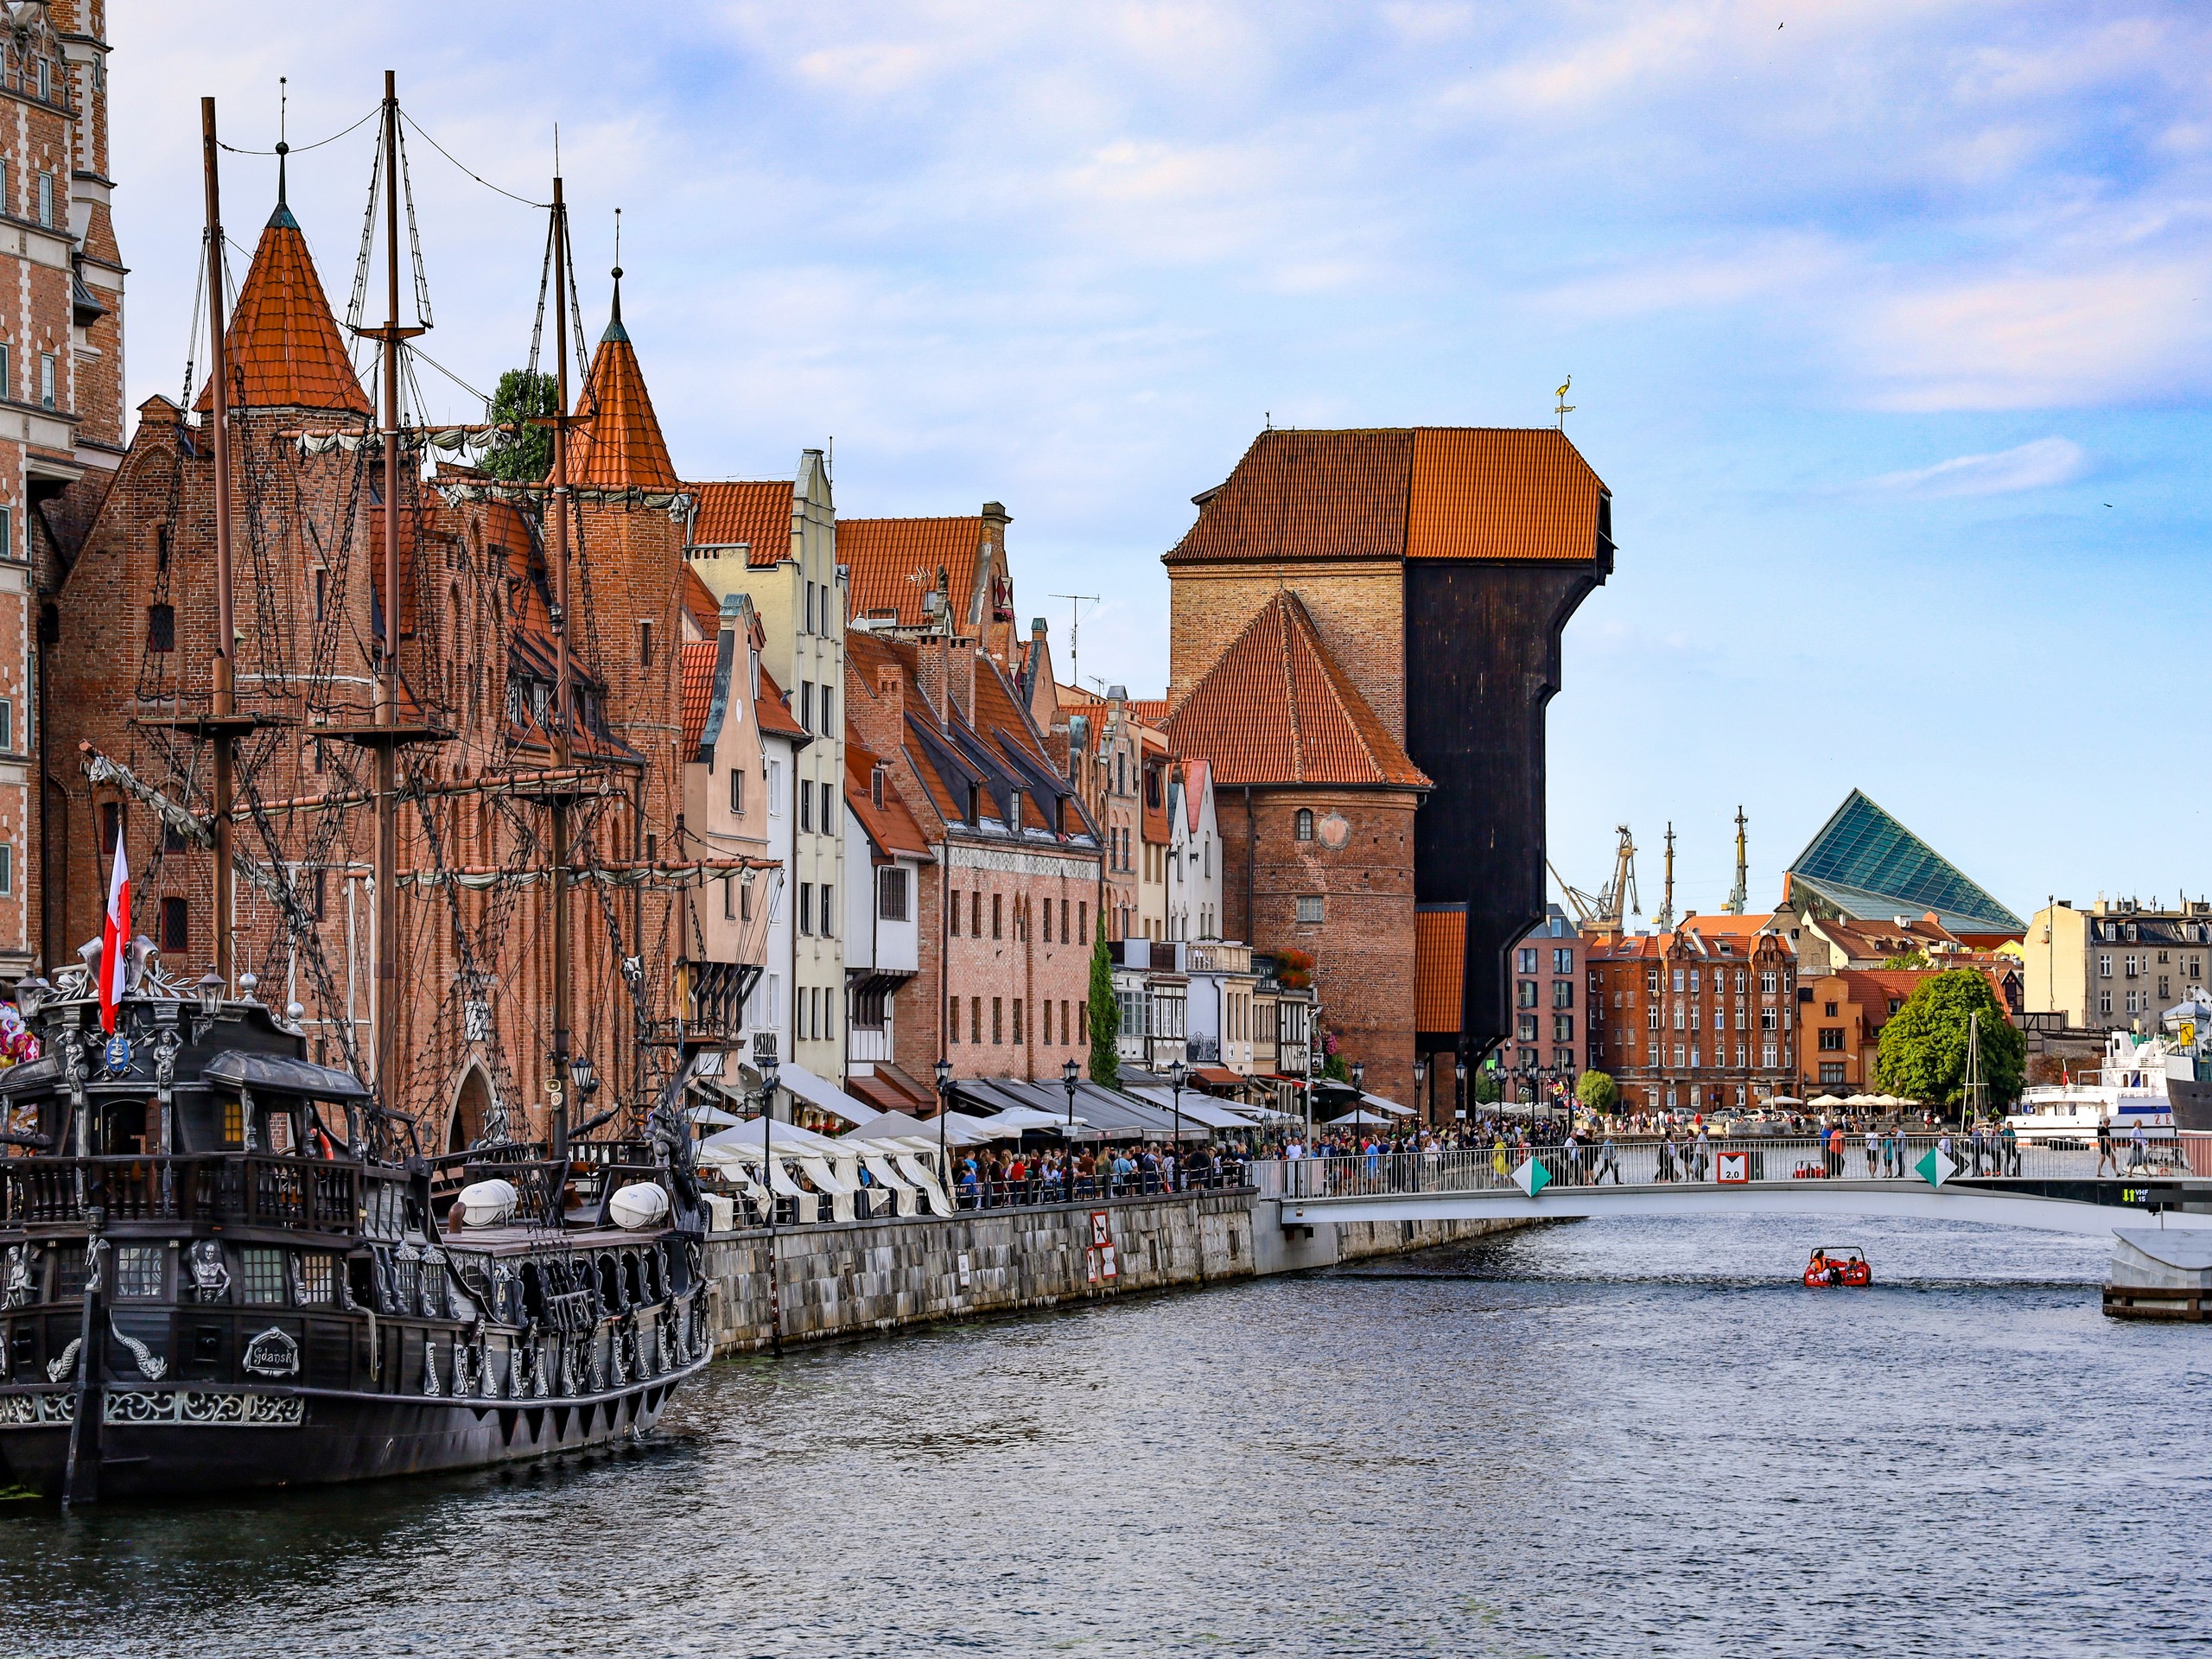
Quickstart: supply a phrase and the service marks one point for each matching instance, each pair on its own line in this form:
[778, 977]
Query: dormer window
[975, 804]
[876, 787]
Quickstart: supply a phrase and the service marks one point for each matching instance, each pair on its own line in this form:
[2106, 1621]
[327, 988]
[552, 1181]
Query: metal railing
[1717, 1161]
[239, 1188]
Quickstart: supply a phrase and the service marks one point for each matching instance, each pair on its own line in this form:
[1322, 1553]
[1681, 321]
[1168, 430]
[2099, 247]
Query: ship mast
[386, 731]
[222, 703]
[558, 802]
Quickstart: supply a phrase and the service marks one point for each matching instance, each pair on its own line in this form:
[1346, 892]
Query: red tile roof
[283, 344]
[700, 603]
[893, 826]
[756, 514]
[620, 446]
[698, 691]
[895, 561]
[1440, 968]
[1277, 709]
[773, 714]
[1418, 492]
[1494, 492]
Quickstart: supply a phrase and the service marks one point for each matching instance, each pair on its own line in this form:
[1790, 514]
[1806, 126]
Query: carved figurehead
[211, 1279]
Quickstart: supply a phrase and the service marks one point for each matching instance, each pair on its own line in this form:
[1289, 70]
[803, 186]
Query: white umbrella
[1824, 1100]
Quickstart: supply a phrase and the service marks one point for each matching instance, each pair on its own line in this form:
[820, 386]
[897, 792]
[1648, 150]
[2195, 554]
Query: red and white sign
[1733, 1168]
[1107, 1267]
[1101, 1230]
[114, 937]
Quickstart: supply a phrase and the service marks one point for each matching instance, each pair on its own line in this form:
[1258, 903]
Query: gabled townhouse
[1009, 895]
[885, 853]
[727, 931]
[775, 541]
[1194, 861]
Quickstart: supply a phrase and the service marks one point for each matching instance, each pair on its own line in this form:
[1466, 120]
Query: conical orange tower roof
[620, 446]
[282, 342]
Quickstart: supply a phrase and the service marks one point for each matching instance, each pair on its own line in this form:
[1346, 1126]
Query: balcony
[242, 1189]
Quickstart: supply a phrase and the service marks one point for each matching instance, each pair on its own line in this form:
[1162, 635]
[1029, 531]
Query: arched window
[1305, 823]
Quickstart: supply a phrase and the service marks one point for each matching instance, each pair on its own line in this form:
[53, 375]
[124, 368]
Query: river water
[1617, 1437]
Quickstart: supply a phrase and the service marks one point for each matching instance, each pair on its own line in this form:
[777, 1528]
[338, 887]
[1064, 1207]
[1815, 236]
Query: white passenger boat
[2134, 1087]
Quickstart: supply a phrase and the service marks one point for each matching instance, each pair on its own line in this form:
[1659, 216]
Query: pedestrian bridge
[1926, 1178]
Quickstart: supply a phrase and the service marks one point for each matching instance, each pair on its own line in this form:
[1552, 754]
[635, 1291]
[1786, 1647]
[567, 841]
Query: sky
[1887, 320]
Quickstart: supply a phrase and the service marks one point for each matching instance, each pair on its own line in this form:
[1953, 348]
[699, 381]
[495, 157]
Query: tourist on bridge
[1702, 1156]
[1570, 1163]
[1873, 1152]
[1667, 1153]
[1498, 1164]
[2008, 1150]
[2104, 1145]
[2139, 1149]
[1608, 1160]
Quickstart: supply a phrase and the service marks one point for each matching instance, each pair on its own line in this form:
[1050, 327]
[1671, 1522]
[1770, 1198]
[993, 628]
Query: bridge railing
[1651, 1163]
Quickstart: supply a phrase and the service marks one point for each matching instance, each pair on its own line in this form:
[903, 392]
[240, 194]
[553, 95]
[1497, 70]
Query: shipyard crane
[1618, 898]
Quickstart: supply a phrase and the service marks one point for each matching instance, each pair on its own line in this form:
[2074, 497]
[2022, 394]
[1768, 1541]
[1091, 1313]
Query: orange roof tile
[698, 691]
[283, 344]
[1440, 968]
[1495, 493]
[1277, 709]
[895, 561]
[891, 826]
[756, 514]
[619, 447]
[773, 714]
[1414, 492]
[1152, 711]
[700, 605]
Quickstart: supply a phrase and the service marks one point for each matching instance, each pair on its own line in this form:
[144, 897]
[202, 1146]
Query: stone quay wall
[863, 1278]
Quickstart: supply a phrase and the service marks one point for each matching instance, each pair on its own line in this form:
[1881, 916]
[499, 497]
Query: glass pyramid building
[1865, 866]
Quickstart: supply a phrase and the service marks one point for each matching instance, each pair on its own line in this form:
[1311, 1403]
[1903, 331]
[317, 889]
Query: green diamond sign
[1532, 1177]
[1935, 1168]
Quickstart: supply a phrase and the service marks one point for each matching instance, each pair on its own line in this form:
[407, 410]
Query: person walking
[2104, 1145]
[1701, 1158]
[2008, 1150]
[1608, 1160]
[1892, 1151]
[2139, 1148]
[1873, 1151]
[1571, 1160]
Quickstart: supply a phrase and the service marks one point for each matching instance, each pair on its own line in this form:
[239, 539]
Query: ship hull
[309, 1436]
[2192, 1104]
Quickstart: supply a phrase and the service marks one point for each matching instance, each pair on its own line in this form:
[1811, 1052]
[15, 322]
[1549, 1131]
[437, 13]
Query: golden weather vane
[1565, 408]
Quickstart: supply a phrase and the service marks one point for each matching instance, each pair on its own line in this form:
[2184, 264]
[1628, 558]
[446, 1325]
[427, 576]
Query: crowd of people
[990, 1178]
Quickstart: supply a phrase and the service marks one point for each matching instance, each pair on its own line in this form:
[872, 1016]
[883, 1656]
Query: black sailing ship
[224, 1264]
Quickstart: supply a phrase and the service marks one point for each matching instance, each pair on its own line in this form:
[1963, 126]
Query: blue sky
[1890, 326]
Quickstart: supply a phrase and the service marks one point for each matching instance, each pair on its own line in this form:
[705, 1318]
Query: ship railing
[1719, 1160]
[244, 1189]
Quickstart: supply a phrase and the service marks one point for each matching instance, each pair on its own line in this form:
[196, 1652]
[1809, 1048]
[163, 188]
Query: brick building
[1550, 1026]
[1840, 1034]
[1697, 1019]
[61, 416]
[1432, 571]
[475, 637]
[1315, 802]
[1011, 888]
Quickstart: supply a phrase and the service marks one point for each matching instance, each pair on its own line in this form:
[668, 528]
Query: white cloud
[2034, 465]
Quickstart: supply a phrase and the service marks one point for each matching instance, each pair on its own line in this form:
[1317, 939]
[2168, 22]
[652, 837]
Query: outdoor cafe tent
[1824, 1100]
[1355, 1117]
[1196, 1109]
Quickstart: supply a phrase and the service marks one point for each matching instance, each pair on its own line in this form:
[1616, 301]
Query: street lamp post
[1175, 1082]
[944, 1105]
[1421, 1089]
[1460, 1088]
[768, 1073]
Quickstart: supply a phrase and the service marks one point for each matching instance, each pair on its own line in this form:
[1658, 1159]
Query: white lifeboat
[638, 1205]
[486, 1204]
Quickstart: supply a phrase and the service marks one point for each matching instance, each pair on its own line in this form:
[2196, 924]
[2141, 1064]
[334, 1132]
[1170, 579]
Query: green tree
[522, 457]
[1105, 1013]
[1911, 962]
[1924, 1050]
[1484, 1087]
[1597, 1091]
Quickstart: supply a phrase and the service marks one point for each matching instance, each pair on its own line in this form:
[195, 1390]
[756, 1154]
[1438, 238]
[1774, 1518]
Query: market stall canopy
[1355, 1117]
[823, 1095]
[1196, 1108]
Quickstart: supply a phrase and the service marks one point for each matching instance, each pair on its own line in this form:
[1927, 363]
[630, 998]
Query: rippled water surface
[1613, 1437]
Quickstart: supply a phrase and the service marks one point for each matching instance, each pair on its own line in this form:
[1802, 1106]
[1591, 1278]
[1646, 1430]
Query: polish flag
[115, 937]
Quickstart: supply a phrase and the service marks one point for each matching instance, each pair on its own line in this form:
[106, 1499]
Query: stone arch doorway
[471, 1104]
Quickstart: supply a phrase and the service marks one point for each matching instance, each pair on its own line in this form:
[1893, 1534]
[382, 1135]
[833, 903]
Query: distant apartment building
[1550, 1033]
[2116, 965]
[1696, 1019]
